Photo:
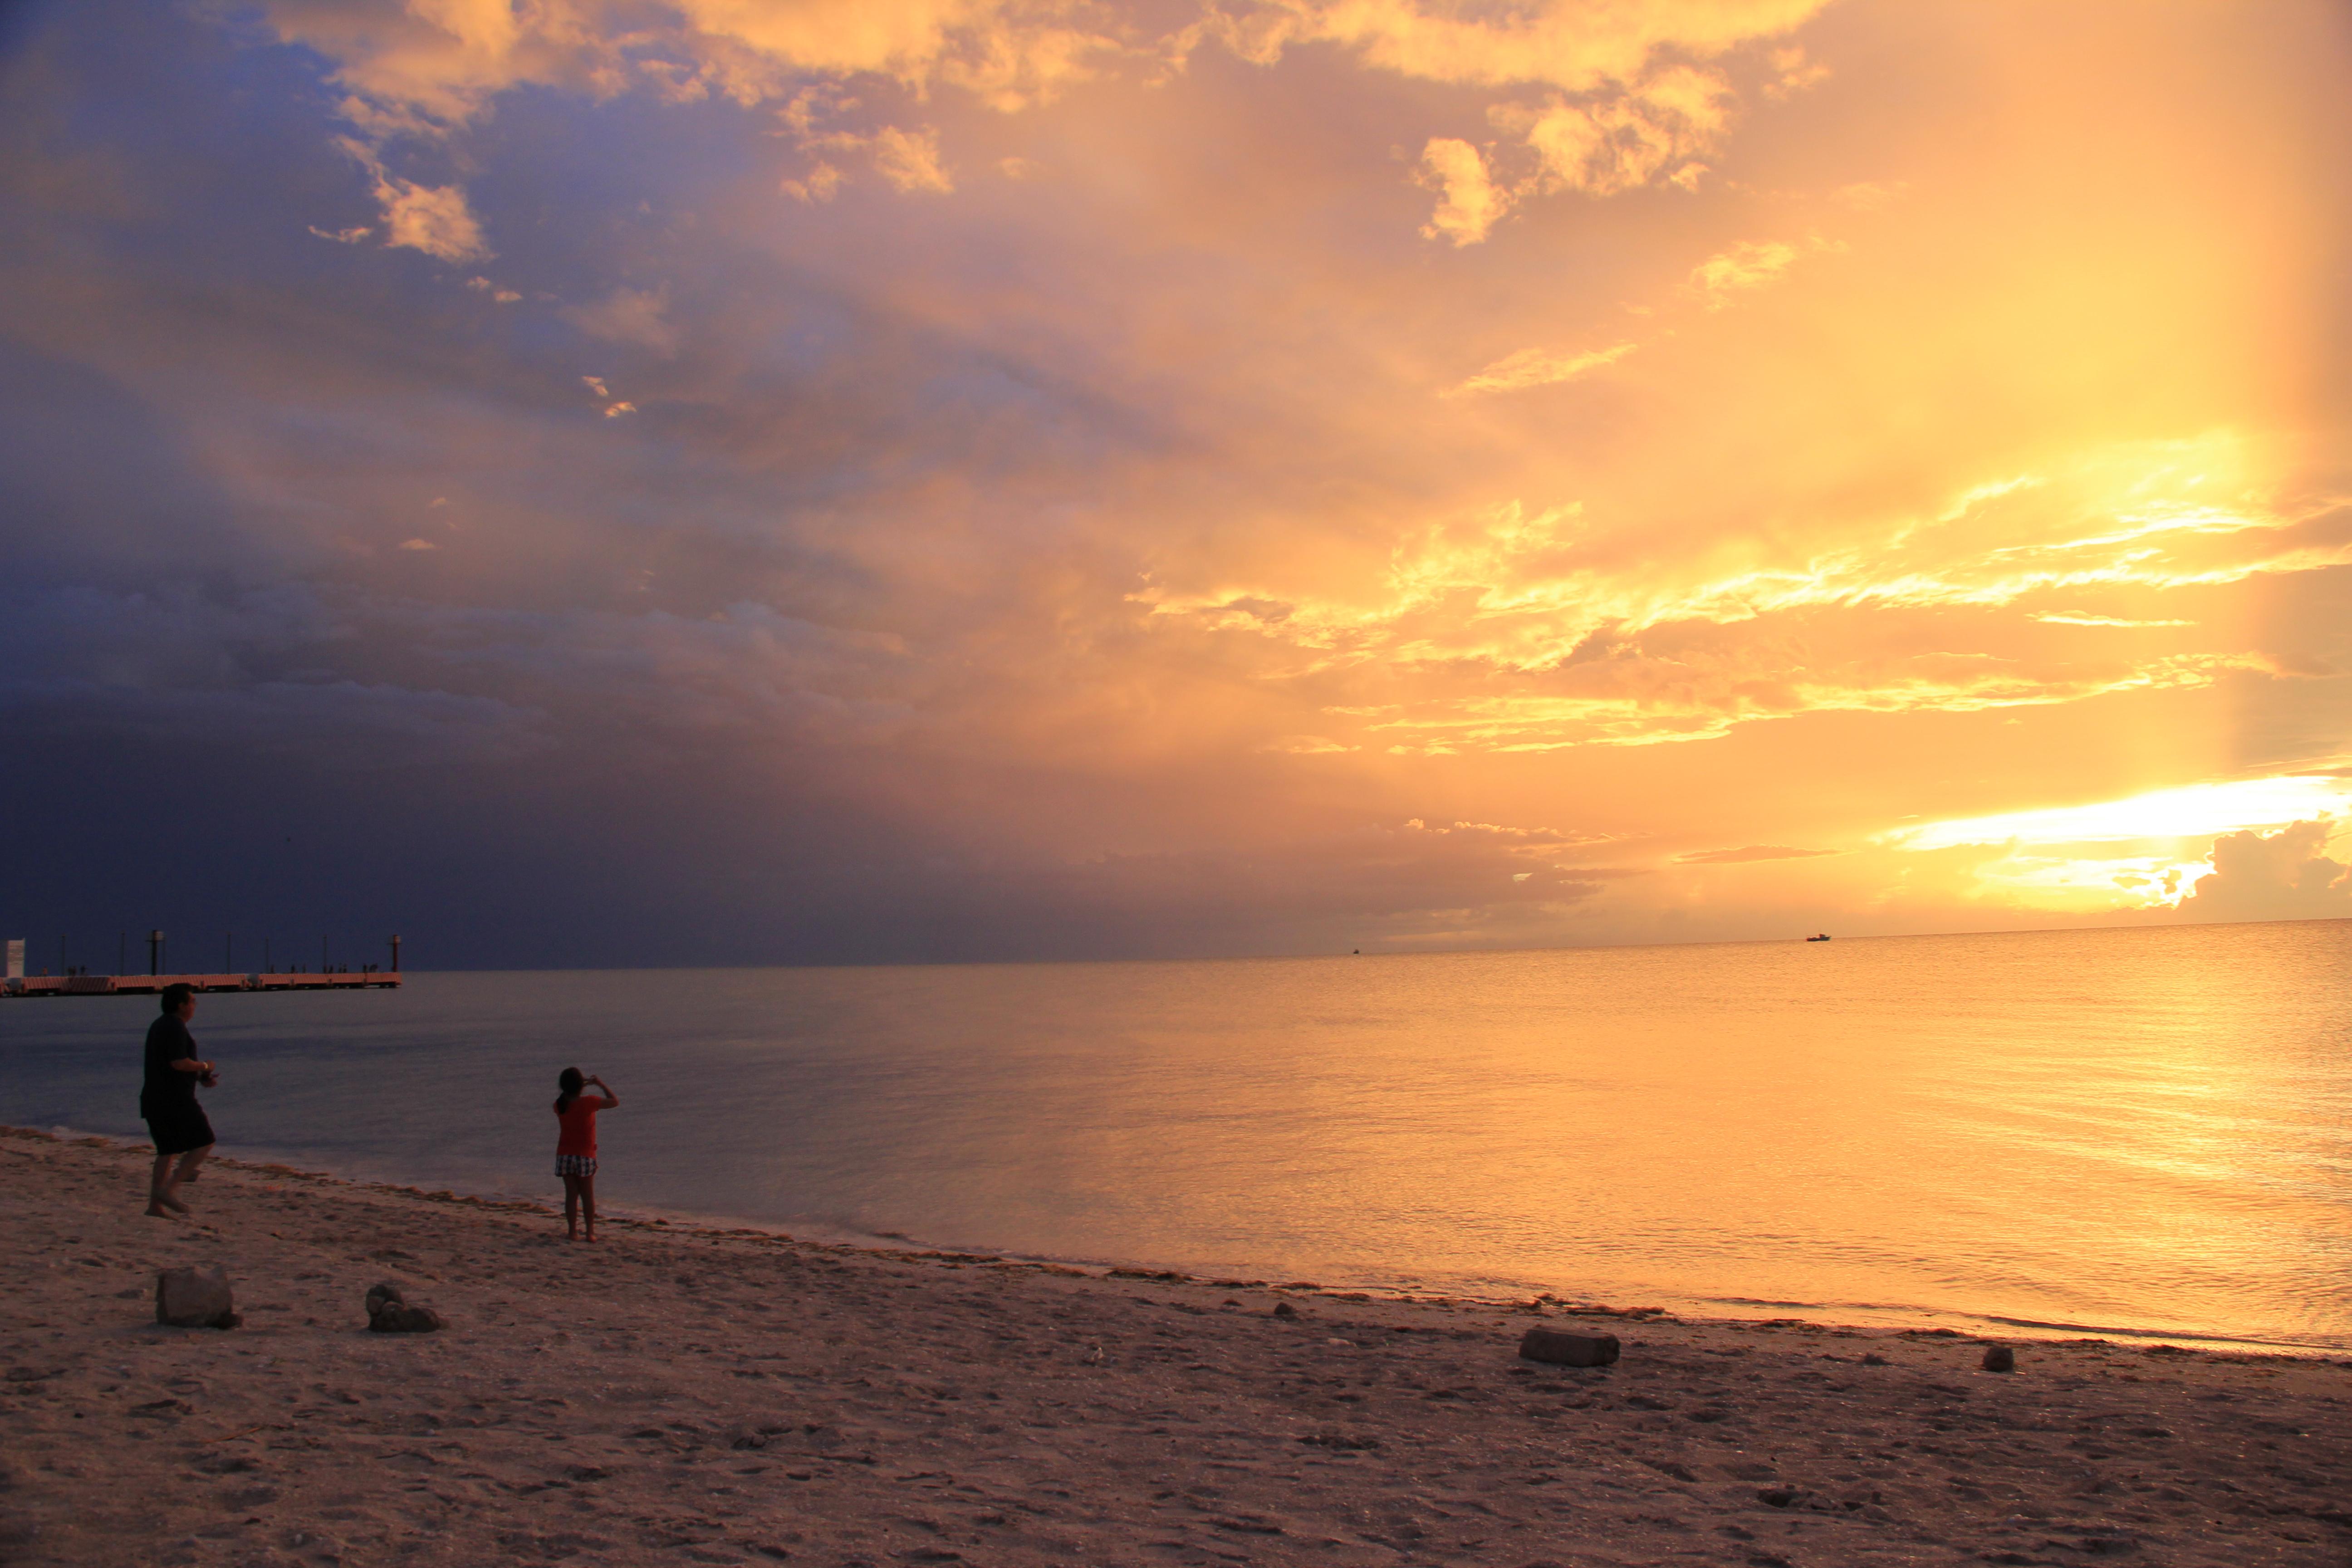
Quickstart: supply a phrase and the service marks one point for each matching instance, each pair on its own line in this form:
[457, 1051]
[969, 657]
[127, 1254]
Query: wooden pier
[150, 985]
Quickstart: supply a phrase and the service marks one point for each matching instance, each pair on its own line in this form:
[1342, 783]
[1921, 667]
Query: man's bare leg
[167, 1179]
[161, 1204]
[572, 1208]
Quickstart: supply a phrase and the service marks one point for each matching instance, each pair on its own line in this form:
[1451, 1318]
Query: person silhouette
[575, 1146]
[177, 1123]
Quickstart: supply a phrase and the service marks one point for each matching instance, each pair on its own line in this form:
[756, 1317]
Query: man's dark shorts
[180, 1128]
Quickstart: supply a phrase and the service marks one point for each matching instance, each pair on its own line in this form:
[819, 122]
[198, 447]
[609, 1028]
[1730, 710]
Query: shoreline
[1519, 1298]
[722, 1396]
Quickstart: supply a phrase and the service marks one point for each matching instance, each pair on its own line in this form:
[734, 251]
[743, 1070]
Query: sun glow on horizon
[2076, 885]
[2190, 811]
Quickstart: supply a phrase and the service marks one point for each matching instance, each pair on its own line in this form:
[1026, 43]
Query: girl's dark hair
[570, 1083]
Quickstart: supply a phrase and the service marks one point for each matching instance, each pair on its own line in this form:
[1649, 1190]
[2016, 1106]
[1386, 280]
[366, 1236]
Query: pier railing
[149, 984]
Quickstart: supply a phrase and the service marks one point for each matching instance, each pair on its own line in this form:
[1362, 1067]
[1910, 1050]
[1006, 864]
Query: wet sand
[701, 1395]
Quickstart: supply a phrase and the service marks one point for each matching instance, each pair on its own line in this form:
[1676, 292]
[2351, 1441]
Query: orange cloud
[1621, 114]
[1751, 264]
[2285, 875]
[636, 316]
[434, 220]
[1538, 367]
[1571, 46]
[1753, 852]
[1469, 203]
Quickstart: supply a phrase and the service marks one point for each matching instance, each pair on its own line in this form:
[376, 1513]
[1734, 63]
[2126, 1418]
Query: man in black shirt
[175, 1121]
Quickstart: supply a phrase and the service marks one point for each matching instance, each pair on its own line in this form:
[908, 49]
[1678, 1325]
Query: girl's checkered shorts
[574, 1165]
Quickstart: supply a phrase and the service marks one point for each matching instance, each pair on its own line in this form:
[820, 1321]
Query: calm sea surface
[2141, 1131]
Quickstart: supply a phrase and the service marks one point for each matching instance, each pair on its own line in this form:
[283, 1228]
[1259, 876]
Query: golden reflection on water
[2142, 1128]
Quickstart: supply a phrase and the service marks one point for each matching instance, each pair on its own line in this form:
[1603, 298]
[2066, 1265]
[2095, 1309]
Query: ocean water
[2139, 1132]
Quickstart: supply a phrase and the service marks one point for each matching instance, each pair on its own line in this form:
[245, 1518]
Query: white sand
[677, 1396]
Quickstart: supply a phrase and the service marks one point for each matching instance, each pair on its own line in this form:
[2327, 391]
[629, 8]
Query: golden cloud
[1565, 44]
[1468, 202]
[1546, 608]
[1753, 852]
[1538, 367]
[1620, 115]
[434, 220]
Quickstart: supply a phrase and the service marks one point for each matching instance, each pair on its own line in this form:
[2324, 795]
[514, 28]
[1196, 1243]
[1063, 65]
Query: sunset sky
[605, 481]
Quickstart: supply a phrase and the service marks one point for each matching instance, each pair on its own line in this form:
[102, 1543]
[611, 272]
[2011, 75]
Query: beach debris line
[390, 1312]
[195, 1298]
[1563, 1349]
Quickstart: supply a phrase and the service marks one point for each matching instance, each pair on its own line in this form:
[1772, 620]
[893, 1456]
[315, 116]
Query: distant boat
[1823, 937]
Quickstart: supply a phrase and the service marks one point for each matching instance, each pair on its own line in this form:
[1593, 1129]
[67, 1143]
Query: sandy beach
[707, 1395]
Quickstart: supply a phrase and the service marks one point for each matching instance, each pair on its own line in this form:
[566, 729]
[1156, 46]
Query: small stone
[1285, 1310]
[1343, 1442]
[194, 1298]
[389, 1312]
[1563, 1349]
[1999, 1358]
[402, 1320]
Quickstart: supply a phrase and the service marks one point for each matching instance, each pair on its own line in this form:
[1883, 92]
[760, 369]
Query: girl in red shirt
[575, 1147]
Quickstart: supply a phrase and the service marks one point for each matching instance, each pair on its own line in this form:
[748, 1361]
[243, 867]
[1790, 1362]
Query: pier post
[395, 956]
